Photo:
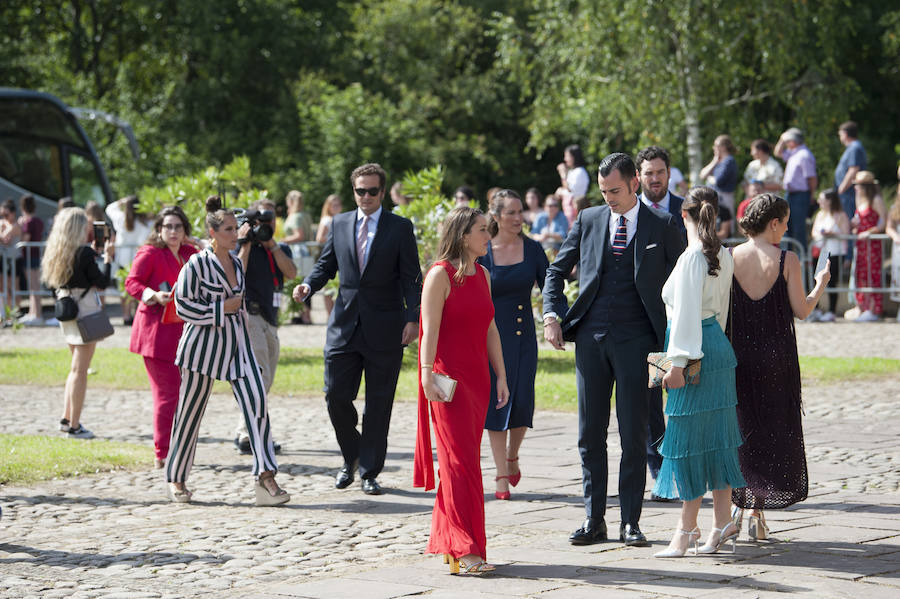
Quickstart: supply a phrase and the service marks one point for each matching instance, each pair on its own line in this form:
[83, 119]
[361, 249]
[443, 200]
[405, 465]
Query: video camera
[262, 225]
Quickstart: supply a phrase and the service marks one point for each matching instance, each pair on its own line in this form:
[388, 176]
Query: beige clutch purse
[446, 384]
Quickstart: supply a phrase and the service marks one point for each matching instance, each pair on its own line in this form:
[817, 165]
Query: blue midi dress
[511, 287]
[699, 448]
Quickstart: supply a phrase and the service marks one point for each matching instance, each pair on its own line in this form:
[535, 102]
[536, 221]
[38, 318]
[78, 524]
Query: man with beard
[653, 173]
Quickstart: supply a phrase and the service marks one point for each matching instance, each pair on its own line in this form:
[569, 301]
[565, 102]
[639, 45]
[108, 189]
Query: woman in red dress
[152, 277]
[868, 220]
[457, 339]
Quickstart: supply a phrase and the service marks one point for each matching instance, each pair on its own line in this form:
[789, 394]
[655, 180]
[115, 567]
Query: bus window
[33, 165]
[86, 185]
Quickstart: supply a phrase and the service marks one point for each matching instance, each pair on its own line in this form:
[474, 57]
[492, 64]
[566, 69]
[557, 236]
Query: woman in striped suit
[215, 345]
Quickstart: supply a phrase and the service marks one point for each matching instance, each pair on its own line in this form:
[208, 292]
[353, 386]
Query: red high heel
[502, 495]
[514, 478]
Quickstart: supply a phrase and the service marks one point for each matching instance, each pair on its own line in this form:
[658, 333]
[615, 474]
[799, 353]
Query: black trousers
[656, 429]
[344, 367]
[600, 362]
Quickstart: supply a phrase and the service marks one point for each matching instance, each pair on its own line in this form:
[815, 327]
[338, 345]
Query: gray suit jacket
[382, 298]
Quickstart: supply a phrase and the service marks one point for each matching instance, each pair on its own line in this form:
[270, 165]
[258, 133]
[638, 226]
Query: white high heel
[714, 543]
[693, 539]
[737, 517]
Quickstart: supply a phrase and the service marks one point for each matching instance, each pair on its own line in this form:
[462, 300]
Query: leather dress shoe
[345, 476]
[592, 531]
[632, 536]
[370, 486]
[660, 498]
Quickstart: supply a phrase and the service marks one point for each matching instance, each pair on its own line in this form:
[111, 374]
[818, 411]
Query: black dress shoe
[277, 448]
[243, 445]
[592, 531]
[370, 486]
[632, 536]
[660, 498]
[345, 476]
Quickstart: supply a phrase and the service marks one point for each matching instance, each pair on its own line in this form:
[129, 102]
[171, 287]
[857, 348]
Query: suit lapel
[345, 229]
[380, 234]
[220, 272]
[603, 224]
[642, 235]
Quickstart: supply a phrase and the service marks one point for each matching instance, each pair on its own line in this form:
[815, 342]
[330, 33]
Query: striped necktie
[657, 206]
[362, 237]
[620, 240]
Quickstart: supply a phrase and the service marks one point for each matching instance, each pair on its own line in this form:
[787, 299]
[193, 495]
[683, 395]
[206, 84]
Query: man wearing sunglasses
[375, 315]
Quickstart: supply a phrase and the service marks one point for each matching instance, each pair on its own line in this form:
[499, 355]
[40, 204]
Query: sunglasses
[372, 191]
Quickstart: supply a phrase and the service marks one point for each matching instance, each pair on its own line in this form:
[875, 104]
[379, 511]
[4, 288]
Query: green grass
[30, 458]
[300, 372]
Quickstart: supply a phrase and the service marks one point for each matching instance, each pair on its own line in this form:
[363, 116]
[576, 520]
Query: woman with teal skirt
[700, 446]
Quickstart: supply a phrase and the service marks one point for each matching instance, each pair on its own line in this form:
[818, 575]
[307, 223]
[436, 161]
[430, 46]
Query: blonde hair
[69, 233]
[294, 200]
[452, 247]
[326, 207]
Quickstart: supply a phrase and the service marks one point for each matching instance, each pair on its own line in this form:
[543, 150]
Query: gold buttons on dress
[518, 320]
[518, 332]
[520, 306]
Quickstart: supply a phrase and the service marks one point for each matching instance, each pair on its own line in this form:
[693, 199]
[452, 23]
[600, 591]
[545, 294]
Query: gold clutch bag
[446, 384]
[658, 365]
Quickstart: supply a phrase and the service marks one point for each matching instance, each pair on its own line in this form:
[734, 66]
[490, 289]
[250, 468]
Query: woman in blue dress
[515, 263]
[700, 446]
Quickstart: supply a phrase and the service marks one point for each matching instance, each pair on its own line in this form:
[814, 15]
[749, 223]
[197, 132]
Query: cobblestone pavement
[114, 535]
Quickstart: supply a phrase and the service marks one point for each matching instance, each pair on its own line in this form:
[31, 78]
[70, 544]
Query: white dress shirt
[663, 203]
[630, 223]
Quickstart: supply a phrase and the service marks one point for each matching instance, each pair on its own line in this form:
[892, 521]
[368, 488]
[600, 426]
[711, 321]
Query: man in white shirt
[624, 252]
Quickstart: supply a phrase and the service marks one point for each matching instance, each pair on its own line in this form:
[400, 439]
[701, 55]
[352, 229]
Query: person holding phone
[69, 266]
[458, 339]
[153, 274]
[215, 345]
[768, 294]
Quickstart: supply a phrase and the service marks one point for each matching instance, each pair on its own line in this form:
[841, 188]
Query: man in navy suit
[653, 172]
[375, 315]
[624, 252]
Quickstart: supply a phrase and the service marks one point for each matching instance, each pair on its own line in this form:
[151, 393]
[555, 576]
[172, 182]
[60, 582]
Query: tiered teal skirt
[699, 448]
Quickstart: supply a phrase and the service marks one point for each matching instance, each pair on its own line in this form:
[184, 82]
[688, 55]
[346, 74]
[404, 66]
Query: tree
[676, 73]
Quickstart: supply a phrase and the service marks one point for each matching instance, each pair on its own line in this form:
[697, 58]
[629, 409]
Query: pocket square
[651, 246]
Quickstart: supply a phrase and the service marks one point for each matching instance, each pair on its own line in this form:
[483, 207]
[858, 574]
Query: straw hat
[865, 178]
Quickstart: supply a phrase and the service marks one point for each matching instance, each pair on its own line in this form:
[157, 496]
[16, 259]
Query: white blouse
[692, 295]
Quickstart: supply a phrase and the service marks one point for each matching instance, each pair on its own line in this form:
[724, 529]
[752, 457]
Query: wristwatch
[551, 315]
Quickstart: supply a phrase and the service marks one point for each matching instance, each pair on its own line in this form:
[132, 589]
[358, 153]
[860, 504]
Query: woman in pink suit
[152, 277]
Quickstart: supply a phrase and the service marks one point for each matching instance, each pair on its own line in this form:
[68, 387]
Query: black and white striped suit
[215, 345]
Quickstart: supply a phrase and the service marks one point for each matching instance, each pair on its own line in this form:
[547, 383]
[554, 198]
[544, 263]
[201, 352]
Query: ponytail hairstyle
[760, 212]
[495, 209]
[452, 248]
[702, 206]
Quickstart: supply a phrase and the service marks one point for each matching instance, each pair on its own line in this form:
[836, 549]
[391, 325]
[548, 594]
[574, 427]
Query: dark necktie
[620, 240]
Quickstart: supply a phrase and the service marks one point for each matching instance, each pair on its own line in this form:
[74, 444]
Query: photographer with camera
[266, 264]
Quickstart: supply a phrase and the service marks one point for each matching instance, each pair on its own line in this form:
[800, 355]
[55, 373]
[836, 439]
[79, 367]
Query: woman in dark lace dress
[768, 294]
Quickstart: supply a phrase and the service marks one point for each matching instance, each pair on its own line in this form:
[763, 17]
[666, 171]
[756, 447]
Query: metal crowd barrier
[846, 268]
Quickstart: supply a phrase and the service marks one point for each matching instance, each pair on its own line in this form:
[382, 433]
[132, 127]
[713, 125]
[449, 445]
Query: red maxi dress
[457, 523]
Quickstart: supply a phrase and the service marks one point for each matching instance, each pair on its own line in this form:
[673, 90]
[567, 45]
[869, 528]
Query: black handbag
[95, 326]
[66, 307]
